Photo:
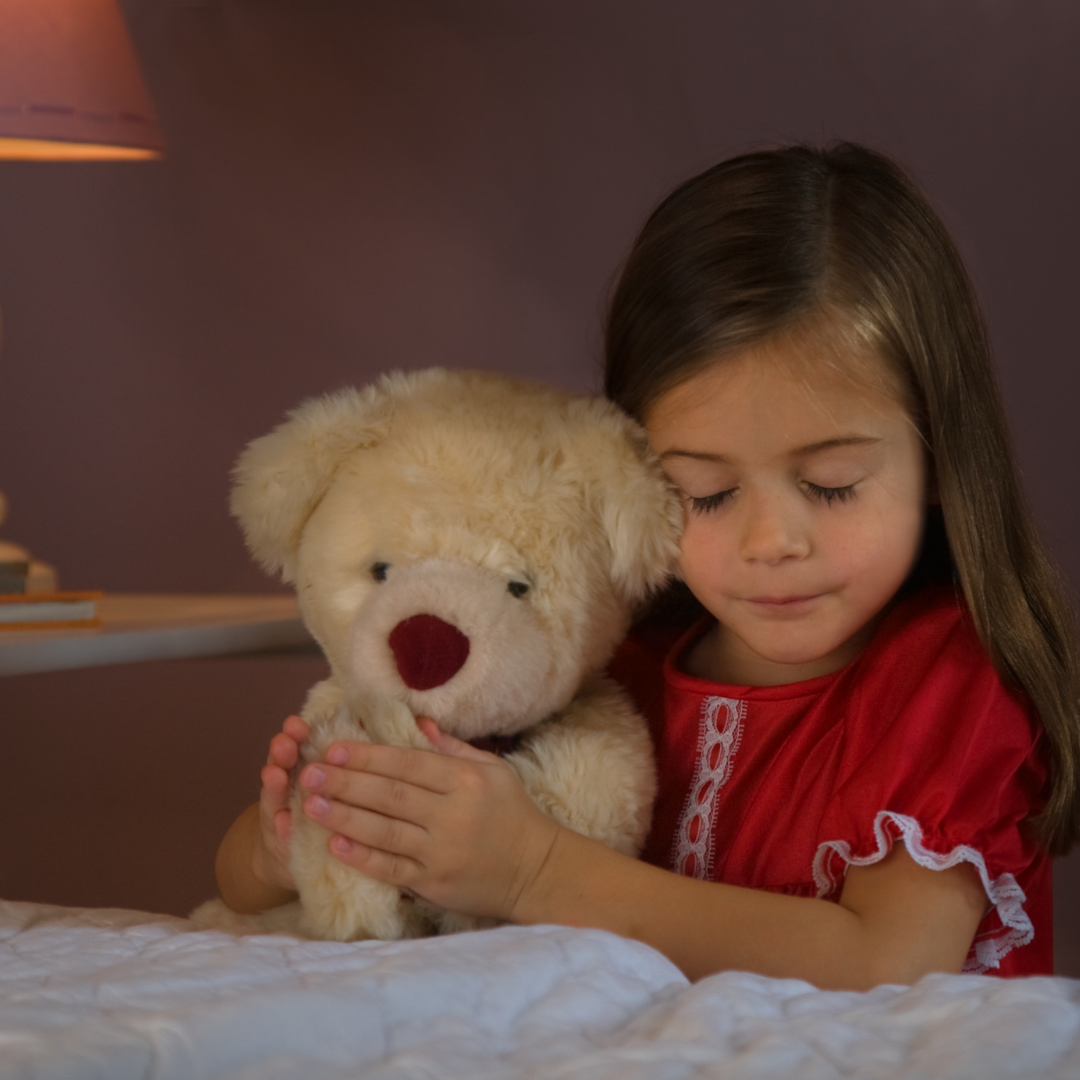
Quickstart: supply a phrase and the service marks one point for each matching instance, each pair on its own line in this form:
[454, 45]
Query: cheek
[703, 549]
[879, 550]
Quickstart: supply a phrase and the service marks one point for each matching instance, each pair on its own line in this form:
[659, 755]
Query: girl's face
[805, 489]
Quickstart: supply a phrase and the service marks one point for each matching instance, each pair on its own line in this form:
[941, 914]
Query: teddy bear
[469, 547]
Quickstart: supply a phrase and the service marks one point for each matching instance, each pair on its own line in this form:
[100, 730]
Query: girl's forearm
[238, 881]
[705, 927]
[701, 927]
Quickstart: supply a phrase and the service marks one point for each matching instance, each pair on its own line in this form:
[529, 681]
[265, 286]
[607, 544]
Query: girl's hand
[454, 825]
[270, 853]
[252, 865]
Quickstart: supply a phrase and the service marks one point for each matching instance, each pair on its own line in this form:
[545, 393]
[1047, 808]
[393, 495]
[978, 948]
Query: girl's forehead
[793, 391]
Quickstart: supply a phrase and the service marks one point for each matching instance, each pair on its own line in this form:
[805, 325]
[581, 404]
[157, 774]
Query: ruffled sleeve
[940, 755]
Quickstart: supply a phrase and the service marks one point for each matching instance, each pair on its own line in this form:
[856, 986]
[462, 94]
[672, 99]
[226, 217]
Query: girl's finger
[365, 827]
[419, 768]
[285, 745]
[284, 751]
[275, 787]
[296, 728]
[397, 799]
[384, 865]
[447, 744]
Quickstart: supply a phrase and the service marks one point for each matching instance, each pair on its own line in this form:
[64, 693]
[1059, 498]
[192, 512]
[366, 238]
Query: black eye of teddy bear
[518, 588]
[379, 570]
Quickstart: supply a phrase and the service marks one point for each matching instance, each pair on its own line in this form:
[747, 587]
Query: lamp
[70, 90]
[70, 87]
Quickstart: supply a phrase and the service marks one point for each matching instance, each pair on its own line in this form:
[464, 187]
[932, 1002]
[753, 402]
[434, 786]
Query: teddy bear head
[466, 543]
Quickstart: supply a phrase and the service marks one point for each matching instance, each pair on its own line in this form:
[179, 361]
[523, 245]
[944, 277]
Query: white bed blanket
[117, 995]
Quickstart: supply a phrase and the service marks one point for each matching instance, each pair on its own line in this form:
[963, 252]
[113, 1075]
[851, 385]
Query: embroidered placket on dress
[717, 746]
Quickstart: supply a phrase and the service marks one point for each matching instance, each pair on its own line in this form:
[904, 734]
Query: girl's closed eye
[829, 495]
[705, 503]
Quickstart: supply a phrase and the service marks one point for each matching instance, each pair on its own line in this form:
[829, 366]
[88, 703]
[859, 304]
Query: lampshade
[70, 85]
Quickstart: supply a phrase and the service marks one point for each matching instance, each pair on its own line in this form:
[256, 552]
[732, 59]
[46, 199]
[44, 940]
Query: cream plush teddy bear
[467, 547]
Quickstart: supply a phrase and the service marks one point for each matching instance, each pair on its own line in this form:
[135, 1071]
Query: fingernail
[341, 845]
[337, 755]
[318, 806]
[313, 777]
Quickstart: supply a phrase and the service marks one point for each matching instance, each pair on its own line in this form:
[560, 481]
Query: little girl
[868, 739]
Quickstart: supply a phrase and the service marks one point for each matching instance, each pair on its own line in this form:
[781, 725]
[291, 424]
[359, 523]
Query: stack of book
[30, 597]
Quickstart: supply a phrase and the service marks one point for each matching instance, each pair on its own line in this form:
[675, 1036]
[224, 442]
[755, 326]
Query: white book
[26, 610]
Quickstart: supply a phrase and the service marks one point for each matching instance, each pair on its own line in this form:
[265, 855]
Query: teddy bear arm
[326, 712]
[337, 902]
[591, 768]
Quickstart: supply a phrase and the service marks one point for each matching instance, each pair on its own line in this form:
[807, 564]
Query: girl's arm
[458, 828]
[252, 865]
[895, 921]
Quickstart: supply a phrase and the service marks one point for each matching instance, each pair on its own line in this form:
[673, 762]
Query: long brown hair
[772, 241]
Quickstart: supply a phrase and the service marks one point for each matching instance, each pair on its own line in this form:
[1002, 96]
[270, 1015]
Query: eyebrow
[812, 448]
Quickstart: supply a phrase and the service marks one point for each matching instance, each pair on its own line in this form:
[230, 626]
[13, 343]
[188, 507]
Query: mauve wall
[354, 186]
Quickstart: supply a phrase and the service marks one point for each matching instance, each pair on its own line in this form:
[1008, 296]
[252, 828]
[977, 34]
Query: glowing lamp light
[70, 87]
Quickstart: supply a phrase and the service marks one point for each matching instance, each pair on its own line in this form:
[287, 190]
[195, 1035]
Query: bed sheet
[117, 994]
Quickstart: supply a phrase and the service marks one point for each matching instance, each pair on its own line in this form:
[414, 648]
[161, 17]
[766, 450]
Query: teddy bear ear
[640, 510]
[280, 478]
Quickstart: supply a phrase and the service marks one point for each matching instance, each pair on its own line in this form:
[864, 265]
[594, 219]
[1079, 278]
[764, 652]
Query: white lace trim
[1004, 892]
[716, 754]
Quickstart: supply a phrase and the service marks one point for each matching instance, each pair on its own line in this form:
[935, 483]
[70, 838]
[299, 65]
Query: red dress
[783, 787]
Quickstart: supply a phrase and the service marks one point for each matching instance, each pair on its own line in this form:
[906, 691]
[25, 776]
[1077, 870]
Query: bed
[115, 994]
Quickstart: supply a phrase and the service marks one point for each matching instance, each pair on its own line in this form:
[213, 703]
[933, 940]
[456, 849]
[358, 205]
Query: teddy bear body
[467, 547]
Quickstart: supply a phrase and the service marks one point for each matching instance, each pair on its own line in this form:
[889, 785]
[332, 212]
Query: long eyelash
[710, 502]
[830, 495]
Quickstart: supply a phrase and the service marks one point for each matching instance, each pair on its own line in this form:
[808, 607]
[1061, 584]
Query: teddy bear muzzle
[428, 651]
[449, 639]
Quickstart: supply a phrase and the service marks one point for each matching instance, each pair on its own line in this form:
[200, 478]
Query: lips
[780, 601]
[780, 605]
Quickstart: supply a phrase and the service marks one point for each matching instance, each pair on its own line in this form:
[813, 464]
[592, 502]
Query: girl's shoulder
[926, 699]
[927, 648]
[924, 621]
[936, 749]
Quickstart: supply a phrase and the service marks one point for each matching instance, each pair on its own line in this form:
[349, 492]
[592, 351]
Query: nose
[772, 531]
[428, 651]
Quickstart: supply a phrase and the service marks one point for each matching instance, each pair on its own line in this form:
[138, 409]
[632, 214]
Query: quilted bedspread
[120, 994]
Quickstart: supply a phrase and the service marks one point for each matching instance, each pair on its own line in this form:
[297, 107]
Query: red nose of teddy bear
[428, 651]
